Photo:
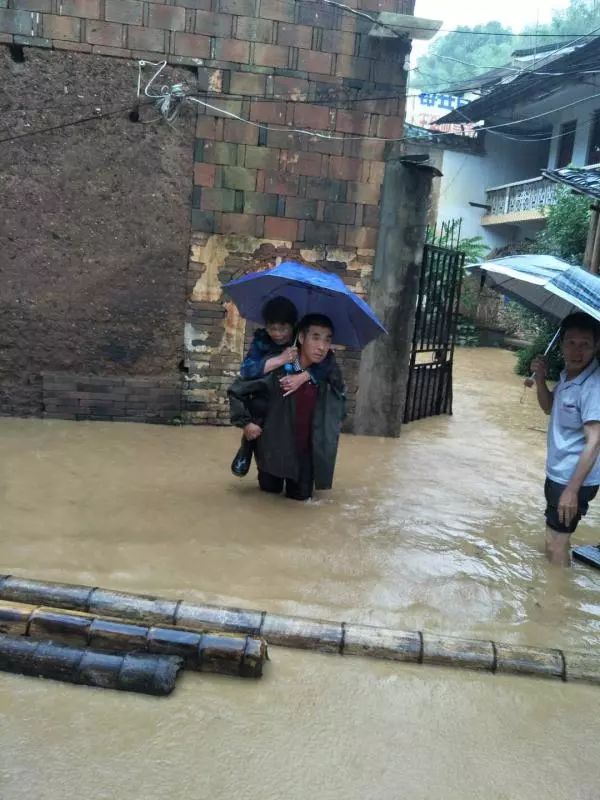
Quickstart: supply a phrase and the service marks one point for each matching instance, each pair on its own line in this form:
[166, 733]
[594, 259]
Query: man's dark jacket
[276, 447]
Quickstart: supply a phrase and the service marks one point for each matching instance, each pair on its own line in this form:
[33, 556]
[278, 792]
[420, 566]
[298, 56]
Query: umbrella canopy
[312, 292]
[543, 283]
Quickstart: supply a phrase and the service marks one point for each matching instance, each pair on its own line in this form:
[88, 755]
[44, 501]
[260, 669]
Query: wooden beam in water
[321, 635]
[223, 653]
[131, 672]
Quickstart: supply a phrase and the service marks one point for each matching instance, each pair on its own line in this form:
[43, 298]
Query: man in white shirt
[573, 461]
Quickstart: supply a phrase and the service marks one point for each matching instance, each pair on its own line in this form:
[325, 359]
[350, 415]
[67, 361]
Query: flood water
[440, 530]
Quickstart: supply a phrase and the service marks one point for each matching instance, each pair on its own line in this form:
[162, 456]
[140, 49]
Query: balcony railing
[533, 195]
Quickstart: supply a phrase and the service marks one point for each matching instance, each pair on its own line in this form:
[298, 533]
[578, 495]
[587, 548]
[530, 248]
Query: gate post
[384, 365]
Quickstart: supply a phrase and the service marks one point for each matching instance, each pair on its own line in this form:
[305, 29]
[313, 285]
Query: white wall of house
[583, 113]
[466, 176]
[575, 102]
[463, 183]
[510, 160]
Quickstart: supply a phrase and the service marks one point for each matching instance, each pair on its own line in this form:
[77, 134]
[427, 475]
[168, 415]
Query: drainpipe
[595, 259]
[589, 246]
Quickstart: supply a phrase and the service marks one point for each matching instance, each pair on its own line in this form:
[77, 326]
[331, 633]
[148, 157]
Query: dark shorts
[301, 489]
[553, 492]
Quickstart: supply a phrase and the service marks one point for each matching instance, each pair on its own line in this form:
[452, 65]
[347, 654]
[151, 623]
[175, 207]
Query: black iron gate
[429, 390]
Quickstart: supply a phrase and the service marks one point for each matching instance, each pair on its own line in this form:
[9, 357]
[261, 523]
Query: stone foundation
[116, 399]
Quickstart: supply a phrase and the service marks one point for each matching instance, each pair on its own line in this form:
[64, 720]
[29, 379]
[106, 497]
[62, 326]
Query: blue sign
[447, 102]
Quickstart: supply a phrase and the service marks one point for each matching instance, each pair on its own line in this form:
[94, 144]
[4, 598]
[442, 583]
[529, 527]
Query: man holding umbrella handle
[573, 460]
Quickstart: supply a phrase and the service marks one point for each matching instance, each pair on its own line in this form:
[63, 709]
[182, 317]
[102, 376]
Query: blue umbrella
[312, 292]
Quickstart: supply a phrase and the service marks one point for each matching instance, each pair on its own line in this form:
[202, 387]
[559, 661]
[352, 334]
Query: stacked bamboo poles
[149, 674]
[322, 635]
[242, 656]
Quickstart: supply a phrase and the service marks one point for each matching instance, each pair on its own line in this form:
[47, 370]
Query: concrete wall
[509, 161]
[253, 195]
[467, 175]
[574, 105]
[583, 113]
[462, 182]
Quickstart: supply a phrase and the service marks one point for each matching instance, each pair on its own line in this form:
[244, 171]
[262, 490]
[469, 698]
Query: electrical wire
[516, 89]
[403, 33]
[345, 101]
[176, 95]
[522, 35]
[164, 96]
[535, 138]
[536, 116]
[70, 124]
[517, 70]
[527, 71]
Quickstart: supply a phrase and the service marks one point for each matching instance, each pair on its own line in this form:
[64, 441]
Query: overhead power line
[403, 33]
[520, 71]
[71, 124]
[175, 95]
[164, 98]
[514, 35]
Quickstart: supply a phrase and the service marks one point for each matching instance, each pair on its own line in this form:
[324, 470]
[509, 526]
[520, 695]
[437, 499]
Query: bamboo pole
[148, 674]
[226, 654]
[468, 653]
[532, 661]
[367, 640]
[308, 634]
[324, 635]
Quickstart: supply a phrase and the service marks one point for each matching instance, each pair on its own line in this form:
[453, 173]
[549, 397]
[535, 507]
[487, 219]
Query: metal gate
[429, 390]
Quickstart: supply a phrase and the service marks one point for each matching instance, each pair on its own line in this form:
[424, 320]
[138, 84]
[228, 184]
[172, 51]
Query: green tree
[579, 17]
[437, 70]
[564, 236]
[566, 229]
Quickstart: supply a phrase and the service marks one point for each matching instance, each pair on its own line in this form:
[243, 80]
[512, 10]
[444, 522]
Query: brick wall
[261, 193]
[299, 35]
[264, 194]
[111, 398]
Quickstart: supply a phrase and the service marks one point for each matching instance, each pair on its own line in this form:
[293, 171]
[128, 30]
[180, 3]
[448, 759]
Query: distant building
[537, 116]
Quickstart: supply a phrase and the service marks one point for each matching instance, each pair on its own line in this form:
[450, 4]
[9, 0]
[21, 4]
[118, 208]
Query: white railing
[531, 195]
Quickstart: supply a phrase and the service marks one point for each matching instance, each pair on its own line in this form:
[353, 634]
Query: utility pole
[384, 366]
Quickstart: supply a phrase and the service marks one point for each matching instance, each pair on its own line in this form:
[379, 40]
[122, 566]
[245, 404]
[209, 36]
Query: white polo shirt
[575, 403]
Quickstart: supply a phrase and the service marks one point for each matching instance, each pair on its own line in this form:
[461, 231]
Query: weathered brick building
[118, 236]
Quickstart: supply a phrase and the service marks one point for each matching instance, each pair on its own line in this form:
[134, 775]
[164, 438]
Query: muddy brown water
[439, 530]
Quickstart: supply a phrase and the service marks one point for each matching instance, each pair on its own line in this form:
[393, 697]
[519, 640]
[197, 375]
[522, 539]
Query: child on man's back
[271, 348]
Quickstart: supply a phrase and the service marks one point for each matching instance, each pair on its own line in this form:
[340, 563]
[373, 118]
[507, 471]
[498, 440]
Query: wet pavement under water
[439, 530]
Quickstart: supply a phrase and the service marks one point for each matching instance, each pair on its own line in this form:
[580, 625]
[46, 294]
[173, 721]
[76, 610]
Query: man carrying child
[293, 417]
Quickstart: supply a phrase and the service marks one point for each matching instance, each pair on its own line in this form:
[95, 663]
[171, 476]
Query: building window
[593, 154]
[566, 143]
